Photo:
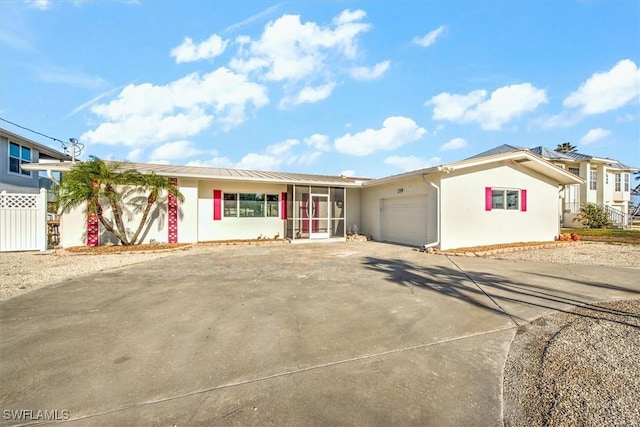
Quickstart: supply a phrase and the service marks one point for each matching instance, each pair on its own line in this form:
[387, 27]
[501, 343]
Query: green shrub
[593, 216]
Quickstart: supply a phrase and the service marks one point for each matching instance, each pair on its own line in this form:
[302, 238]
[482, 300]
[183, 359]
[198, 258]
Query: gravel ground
[23, 271]
[576, 369]
[587, 253]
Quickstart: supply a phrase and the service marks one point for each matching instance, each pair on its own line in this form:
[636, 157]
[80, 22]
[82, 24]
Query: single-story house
[501, 198]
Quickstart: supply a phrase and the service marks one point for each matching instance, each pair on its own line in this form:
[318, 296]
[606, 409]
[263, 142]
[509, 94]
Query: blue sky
[361, 88]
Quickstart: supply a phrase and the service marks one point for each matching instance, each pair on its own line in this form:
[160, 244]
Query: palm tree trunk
[108, 226]
[151, 199]
[117, 218]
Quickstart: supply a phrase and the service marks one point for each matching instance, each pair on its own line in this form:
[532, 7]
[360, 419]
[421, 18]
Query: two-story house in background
[607, 183]
[15, 151]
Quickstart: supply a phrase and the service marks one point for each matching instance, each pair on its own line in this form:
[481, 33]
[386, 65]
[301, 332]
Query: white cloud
[430, 38]
[181, 149]
[94, 100]
[291, 50]
[275, 155]
[594, 135]
[454, 144]
[282, 148]
[147, 114]
[134, 155]
[453, 107]
[208, 49]
[504, 105]
[628, 118]
[411, 163]
[318, 141]
[348, 16]
[149, 130]
[608, 90]
[395, 132]
[365, 73]
[259, 162]
[39, 4]
[309, 94]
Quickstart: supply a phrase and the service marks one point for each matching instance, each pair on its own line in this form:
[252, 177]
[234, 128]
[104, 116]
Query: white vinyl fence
[23, 222]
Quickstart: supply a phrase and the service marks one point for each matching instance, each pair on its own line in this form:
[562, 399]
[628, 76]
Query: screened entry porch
[315, 212]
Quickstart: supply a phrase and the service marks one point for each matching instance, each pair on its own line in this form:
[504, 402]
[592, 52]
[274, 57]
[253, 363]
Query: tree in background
[101, 185]
[566, 147]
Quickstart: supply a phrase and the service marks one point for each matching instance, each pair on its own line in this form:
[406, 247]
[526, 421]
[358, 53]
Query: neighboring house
[607, 183]
[502, 198]
[17, 151]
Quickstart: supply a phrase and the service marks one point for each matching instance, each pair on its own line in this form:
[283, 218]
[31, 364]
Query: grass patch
[609, 235]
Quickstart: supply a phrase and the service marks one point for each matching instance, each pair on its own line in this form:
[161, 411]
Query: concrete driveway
[317, 334]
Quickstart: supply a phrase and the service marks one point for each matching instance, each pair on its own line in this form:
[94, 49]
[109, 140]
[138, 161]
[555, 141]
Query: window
[272, 205]
[497, 199]
[506, 198]
[19, 155]
[618, 182]
[230, 204]
[251, 205]
[575, 171]
[512, 199]
[593, 180]
[626, 182]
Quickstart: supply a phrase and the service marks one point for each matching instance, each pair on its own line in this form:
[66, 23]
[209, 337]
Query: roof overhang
[523, 158]
[42, 149]
[217, 174]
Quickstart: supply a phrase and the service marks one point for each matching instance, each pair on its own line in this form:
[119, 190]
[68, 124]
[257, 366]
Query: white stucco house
[499, 198]
[605, 182]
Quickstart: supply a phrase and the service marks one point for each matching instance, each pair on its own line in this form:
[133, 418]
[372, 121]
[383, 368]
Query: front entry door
[319, 215]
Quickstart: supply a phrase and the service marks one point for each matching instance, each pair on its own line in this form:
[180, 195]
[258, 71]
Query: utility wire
[64, 145]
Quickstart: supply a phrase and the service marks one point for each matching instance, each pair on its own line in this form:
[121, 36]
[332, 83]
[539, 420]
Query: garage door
[404, 220]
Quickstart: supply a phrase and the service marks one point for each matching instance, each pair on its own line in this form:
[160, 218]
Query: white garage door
[404, 220]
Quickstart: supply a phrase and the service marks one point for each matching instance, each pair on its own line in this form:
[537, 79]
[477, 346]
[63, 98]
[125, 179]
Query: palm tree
[154, 185]
[566, 147]
[97, 183]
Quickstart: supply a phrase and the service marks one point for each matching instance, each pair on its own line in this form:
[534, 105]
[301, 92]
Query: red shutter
[172, 212]
[283, 205]
[523, 201]
[487, 199]
[217, 205]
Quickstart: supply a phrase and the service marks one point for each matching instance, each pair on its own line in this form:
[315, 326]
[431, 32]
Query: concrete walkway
[334, 334]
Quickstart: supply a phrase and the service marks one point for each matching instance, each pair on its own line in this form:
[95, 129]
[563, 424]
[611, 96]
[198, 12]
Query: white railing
[23, 221]
[617, 216]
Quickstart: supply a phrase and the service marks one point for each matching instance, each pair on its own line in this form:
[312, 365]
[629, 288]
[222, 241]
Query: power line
[64, 146]
[76, 147]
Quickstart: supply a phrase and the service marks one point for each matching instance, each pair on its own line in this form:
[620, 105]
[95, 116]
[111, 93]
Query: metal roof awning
[224, 174]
